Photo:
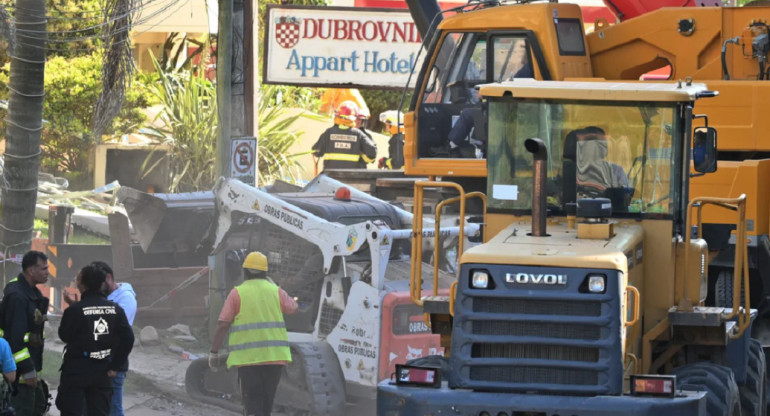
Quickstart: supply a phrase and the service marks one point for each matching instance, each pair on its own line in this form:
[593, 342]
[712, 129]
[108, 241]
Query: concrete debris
[180, 329]
[149, 336]
[185, 338]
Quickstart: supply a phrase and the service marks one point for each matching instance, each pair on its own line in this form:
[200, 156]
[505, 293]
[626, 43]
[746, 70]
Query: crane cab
[446, 129]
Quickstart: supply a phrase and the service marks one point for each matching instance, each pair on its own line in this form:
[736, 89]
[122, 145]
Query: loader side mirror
[704, 150]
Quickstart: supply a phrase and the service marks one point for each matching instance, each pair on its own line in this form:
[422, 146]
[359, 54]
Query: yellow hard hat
[255, 261]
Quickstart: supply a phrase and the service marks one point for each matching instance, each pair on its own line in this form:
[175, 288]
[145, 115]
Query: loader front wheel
[753, 398]
[312, 384]
[723, 398]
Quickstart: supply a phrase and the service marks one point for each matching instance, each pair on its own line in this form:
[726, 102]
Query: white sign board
[243, 160]
[340, 46]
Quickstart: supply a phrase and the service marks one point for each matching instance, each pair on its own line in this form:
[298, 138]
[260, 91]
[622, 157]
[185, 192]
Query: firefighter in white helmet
[394, 121]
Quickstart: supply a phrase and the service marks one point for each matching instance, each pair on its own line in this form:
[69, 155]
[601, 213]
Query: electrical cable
[115, 18]
[99, 36]
[39, 152]
[33, 129]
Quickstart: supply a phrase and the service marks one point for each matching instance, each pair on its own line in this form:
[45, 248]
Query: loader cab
[446, 129]
[633, 152]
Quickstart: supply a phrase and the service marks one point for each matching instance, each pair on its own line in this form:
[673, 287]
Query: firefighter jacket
[22, 319]
[395, 151]
[345, 148]
[258, 333]
[97, 335]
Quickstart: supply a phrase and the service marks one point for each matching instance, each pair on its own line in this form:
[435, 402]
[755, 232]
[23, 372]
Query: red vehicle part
[628, 9]
[404, 333]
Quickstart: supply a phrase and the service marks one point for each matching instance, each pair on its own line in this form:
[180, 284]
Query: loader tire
[722, 398]
[753, 393]
[312, 384]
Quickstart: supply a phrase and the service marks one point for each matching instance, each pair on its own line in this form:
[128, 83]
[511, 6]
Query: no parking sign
[243, 161]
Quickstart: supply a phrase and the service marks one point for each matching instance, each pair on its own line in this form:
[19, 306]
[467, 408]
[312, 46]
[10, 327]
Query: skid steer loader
[344, 256]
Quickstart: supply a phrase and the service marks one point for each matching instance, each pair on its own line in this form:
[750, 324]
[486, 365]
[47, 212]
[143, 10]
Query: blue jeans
[116, 407]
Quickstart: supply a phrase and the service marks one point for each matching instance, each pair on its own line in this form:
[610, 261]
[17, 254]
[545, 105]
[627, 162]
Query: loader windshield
[617, 150]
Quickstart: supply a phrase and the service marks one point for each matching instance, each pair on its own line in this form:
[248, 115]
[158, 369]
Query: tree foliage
[189, 115]
[276, 136]
[71, 87]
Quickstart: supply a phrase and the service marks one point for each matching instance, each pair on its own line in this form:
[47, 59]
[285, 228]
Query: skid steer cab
[587, 295]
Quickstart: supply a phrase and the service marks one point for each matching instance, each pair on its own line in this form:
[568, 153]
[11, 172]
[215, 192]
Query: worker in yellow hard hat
[343, 146]
[258, 343]
[394, 122]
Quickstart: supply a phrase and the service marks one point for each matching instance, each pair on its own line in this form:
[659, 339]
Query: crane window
[511, 57]
[570, 35]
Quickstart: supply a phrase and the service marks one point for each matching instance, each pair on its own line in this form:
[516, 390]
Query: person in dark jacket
[23, 314]
[98, 339]
[393, 121]
[342, 145]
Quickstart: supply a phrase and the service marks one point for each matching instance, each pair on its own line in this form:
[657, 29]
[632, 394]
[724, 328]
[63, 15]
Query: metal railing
[415, 286]
[741, 265]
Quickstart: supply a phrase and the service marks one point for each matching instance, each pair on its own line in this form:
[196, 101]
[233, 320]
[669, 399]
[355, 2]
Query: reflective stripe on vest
[342, 156]
[258, 333]
[259, 344]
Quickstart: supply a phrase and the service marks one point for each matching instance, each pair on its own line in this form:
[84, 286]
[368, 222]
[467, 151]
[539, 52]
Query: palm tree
[22, 132]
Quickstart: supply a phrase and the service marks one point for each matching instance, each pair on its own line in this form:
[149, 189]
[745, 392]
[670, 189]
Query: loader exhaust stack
[540, 155]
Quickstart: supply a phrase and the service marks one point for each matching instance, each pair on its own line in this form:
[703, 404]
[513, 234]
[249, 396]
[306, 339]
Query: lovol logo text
[536, 279]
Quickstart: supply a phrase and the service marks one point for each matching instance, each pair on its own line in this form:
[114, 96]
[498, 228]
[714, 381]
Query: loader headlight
[480, 279]
[597, 283]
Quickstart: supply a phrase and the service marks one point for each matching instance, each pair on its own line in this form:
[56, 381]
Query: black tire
[193, 377]
[196, 386]
[315, 374]
[753, 397]
[718, 381]
[723, 289]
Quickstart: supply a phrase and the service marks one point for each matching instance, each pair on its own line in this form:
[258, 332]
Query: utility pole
[235, 97]
[24, 126]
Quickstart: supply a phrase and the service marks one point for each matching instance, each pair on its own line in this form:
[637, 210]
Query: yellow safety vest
[258, 333]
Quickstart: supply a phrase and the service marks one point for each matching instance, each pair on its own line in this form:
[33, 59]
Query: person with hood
[123, 294]
[98, 340]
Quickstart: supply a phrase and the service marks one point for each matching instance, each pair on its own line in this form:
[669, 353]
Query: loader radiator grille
[537, 338]
[542, 329]
[535, 375]
[535, 352]
[537, 307]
